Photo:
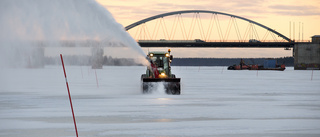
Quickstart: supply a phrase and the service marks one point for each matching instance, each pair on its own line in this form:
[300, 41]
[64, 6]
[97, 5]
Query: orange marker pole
[65, 75]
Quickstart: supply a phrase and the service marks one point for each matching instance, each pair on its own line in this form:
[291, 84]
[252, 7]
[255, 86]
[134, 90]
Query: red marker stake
[65, 75]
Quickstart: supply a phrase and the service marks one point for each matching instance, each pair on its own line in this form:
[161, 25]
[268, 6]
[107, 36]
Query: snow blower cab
[158, 73]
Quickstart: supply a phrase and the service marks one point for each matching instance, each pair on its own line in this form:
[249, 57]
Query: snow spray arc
[25, 24]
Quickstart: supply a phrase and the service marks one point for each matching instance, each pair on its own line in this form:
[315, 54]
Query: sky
[276, 14]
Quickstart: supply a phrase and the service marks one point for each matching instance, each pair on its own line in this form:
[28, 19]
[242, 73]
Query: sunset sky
[276, 14]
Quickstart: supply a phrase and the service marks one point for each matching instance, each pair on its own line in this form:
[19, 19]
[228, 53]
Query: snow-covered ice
[213, 102]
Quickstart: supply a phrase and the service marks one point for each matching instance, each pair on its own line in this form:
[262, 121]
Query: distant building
[307, 55]
[316, 39]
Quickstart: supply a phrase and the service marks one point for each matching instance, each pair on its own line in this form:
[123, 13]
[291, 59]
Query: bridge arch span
[203, 11]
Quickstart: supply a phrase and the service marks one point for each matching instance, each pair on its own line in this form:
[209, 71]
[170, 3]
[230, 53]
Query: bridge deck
[219, 44]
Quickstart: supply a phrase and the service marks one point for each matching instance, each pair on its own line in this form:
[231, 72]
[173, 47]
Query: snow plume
[160, 89]
[156, 88]
[29, 25]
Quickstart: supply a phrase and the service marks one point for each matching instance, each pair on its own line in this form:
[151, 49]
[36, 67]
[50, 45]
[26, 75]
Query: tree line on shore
[110, 61]
[288, 61]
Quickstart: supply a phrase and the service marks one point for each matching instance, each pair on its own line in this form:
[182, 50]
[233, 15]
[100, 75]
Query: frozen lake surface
[213, 102]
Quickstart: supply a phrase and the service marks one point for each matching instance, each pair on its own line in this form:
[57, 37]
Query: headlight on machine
[162, 75]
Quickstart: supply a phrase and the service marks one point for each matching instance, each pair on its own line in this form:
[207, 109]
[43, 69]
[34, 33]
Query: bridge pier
[307, 55]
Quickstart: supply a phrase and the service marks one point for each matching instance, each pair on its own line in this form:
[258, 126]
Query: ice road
[213, 102]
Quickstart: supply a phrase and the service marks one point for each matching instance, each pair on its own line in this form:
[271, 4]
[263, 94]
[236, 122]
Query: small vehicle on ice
[159, 72]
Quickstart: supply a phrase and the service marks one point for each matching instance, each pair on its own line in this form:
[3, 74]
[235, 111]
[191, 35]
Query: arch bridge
[207, 34]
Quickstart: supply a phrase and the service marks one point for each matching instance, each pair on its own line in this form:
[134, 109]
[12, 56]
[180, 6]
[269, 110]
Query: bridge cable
[219, 28]
[165, 26]
[175, 25]
[191, 30]
[199, 25]
[135, 36]
[197, 22]
[212, 26]
[251, 31]
[173, 29]
[228, 29]
[246, 33]
[163, 29]
[209, 29]
[237, 29]
[265, 36]
[144, 34]
[144, 31]
[158, 28]
[256, 32]
[192, 26]
[154, 30]
[202, 34]
[275, 39]
[140, 31]
[182, 27]
[162, 26]
[233, 21]
[178, 20]
[147, 30]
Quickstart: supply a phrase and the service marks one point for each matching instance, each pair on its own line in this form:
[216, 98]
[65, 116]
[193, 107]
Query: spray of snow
[27, 26]
[159, 88]
[156, 88]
